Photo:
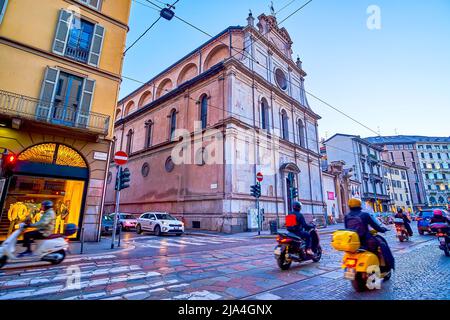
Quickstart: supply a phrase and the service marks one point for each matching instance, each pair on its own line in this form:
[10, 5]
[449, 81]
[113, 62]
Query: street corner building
[60, 63]
[231, 108]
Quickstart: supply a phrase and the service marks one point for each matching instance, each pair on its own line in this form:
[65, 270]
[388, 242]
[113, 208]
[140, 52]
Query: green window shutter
[85, 103]
[45, 104]
[96, 47]
[3, 4]
[62, 32]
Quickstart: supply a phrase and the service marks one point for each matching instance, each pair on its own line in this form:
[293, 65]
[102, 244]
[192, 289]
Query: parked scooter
[51, 249]
[292, 248]
[443, 234]
[363, 268]
[402, 233]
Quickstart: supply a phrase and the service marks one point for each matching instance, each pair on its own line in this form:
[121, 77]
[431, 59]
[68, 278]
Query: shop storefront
[49, 171]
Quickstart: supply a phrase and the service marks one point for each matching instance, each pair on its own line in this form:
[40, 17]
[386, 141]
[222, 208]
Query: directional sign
[120, 158]
[259, 176]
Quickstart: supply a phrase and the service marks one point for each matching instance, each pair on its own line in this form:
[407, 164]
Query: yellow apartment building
[60, 72]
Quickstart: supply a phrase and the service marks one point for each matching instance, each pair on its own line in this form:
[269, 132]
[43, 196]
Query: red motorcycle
[402, 233]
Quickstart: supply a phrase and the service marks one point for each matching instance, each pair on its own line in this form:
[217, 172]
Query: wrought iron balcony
[77, 53]
[23, 107]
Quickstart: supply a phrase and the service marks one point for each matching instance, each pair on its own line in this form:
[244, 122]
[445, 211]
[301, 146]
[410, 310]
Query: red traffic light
[11, 158]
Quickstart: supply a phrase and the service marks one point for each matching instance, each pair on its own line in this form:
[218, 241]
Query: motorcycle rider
[401, 215]
[438, 217]
[45, 227]
[302, 228]
[359, 221]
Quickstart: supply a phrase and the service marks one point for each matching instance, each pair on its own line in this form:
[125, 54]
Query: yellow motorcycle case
[345, 240]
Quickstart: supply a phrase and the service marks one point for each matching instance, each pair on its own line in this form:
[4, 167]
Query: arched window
[264, 115]
[173, 123]
[284, 125]
[301, 133]
[204, 111]
[130, 141]
[148, 133]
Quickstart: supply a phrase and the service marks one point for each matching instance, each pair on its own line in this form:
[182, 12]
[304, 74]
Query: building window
[281, 79]
[130, 141]
[92, 3]
[169, 165]
[284, 125]
[173, 124]
[79, 41]
[264, 115]
[204, 111]
[148, 134]
[301, 133]
[145, 169]
[3, 4]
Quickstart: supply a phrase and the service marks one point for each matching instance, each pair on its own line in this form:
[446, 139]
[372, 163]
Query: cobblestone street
[224, 267]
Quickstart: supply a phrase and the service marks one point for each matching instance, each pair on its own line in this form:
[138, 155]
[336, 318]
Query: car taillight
[351, 263]
[441, 235]
[419, 219]
[286, 240]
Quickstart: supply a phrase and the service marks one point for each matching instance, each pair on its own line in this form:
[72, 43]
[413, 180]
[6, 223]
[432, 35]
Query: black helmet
[297, 206]
[399, 210]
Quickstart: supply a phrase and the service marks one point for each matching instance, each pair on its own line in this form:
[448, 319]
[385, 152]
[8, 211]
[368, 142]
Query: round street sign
[120, 158]
[259, 176]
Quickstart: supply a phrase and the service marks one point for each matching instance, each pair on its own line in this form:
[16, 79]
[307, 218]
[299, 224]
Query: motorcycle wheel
[63, 253]
[446, 251]
[401, 238]
[421, 232]
[318, 254]
[282, 263]
[3, 261]
[359, 284]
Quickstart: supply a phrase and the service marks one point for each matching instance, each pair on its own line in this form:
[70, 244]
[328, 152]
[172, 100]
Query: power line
[143, 34]
[285, 6]
[304, 5]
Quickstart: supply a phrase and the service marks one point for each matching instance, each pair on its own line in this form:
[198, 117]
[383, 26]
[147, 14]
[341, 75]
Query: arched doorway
[47, 171]
[289, 173]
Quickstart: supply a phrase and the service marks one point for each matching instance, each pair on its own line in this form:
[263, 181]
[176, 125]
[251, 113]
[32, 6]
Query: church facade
[199, 132]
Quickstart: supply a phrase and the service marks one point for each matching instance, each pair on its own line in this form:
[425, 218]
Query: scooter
[402, 233]
[443, 235]
[51, 249]
[363, 268]
[292, 248]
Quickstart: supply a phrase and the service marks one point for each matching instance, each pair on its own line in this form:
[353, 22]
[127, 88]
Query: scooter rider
[302, 228]
[359, 221]
[45, 227]
[438, 217]
[401, 215]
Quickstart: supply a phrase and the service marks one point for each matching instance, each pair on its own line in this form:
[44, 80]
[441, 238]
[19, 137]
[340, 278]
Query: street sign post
[122, 179]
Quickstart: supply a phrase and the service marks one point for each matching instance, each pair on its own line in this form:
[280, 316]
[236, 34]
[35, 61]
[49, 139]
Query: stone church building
[199, 132]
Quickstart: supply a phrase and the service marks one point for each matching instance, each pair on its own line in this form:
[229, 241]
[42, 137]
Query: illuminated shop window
[53, 153]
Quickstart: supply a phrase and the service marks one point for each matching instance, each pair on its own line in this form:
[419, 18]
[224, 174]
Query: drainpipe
[102, 206]
[309, 164]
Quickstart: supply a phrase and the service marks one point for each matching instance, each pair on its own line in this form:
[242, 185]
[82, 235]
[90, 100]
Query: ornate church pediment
[268, 25]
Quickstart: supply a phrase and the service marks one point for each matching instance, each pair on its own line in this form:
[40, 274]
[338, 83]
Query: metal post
[120, 236]
[259, 216]
[116, 216]
[82, 240]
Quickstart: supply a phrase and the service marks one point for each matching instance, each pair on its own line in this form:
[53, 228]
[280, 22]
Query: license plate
[349, 274]
[277, 251]
[176, 228]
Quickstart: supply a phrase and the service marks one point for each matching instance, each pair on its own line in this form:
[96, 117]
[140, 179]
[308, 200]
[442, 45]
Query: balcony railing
[24, 107]
[77, 53]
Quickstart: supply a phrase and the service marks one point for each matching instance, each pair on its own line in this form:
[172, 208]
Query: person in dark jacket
[401, 215]
[359, 221]
[302, 228]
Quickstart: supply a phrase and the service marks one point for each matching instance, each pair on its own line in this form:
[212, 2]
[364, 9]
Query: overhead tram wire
[250, 119]
[151, 26]
[285, 6]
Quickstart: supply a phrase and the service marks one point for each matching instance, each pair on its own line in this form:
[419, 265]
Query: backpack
[356, 224]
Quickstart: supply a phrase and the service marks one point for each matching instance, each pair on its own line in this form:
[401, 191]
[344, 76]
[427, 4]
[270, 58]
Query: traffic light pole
[259, 216]
[116, 215]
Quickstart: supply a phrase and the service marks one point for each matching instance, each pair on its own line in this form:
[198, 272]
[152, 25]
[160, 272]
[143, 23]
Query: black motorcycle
[292, 248]
[442, 231]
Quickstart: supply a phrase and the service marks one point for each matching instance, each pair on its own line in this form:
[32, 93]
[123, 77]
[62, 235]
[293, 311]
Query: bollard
[82, 240]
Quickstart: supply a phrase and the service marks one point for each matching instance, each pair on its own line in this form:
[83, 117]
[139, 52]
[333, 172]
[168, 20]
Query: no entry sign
[259, 176]
[120, 158]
